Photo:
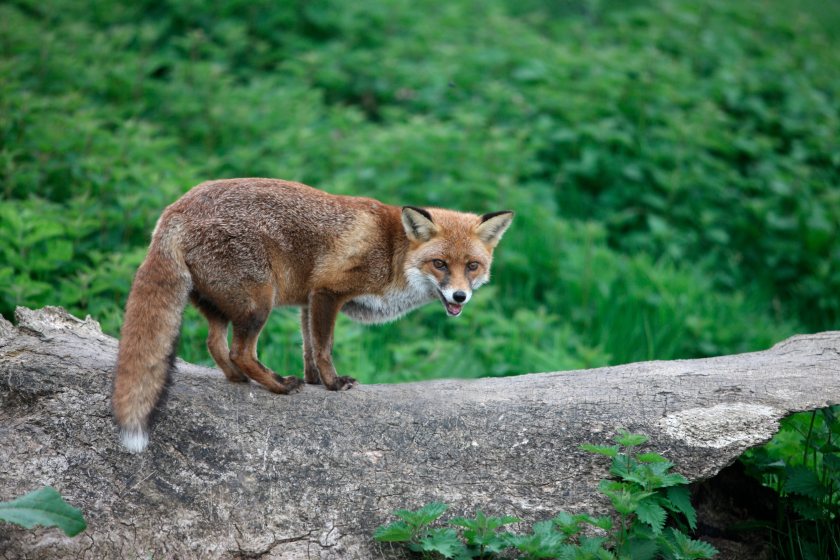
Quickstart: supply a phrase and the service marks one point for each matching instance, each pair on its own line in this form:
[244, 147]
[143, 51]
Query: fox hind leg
[217, 343]
[218, 347]
[243, 354]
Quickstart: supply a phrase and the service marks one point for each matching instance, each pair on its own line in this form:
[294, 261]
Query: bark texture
[233, 471]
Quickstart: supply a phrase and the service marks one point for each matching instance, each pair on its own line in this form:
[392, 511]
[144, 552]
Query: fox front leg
[323, 310]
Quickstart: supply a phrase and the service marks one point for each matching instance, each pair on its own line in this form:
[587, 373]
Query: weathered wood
[234, 471]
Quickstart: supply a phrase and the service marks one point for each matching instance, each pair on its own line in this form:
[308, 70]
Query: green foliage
[681, 547]
[480, 534]
[644, 494]
[414, 530]
[802, 464]
[43, 507]
[542, 542]
[672, 164]
[423, 516]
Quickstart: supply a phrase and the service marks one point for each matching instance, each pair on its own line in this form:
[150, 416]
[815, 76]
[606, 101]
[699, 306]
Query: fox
[238, 248]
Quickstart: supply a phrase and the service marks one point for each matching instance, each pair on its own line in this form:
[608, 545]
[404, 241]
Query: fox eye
[472, 266]
[439, 264]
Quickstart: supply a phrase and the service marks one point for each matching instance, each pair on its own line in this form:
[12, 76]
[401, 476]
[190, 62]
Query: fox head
[451, 252]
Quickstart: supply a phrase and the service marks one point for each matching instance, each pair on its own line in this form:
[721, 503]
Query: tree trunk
[233, 471]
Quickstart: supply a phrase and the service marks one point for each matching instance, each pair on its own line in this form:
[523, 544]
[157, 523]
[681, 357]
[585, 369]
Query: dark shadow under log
[233, 471]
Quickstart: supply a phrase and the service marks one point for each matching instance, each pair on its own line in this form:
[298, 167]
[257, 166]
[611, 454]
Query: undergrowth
[802, 465]
[652, 517]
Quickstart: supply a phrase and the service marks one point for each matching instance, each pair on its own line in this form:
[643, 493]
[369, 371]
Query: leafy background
[674, 165]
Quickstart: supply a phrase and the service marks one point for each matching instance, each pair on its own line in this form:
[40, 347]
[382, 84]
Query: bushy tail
[149, 338]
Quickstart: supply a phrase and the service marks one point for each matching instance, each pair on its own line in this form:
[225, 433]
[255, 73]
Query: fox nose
[459, 296]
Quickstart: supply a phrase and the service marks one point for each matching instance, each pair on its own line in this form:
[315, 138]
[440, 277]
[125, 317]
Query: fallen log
[233, 471]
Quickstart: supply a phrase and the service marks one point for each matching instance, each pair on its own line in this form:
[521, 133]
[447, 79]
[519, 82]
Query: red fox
[238, 248]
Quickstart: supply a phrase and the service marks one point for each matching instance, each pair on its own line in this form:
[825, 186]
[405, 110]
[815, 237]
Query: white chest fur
[373, 308]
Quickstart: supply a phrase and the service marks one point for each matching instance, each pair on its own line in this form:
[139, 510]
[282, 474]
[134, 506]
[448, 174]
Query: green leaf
[680, 498]
[620, 467]
[398, 531]
[543, 542]
[42, 230]
[686, 548]
[608, 450]
[423, 516]
[590, 548]
[483, 523]
[650, 512]
[570, 524]
[567, 523]
[640, 548]
[828, 447]
[605, 522]
[11, 220]
[805, 482]
[660, 467]
[44, 507]
[809, 508]
[444, 542]
[481, 531]
[592, 545]
[651, 458]
[627, 439]
[56, 252]
[624, 497]
[832, 461]
[672, 479]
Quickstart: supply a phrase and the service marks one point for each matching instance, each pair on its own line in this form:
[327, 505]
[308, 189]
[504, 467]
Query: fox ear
[418, 223]
[493, 226]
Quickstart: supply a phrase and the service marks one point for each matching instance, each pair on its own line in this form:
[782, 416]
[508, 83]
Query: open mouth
[453, 309]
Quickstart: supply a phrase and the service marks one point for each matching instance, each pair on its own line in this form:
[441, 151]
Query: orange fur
[237, 248]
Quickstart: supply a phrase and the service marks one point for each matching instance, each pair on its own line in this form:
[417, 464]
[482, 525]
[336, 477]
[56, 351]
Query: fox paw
[291, 383]
[342, 383]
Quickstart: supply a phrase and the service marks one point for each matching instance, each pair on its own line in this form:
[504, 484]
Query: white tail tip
[134, 440]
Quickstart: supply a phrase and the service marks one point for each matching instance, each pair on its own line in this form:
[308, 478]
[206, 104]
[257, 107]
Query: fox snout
[454, 300]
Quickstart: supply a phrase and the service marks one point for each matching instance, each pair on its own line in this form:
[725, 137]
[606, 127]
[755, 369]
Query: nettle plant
[802, 465]
[643, 492]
